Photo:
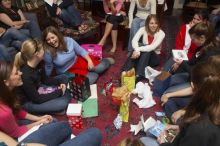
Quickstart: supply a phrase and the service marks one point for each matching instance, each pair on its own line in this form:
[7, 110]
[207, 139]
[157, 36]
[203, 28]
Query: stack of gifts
[73, 113]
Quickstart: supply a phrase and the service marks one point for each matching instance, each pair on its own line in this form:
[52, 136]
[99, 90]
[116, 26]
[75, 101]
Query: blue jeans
[146, 59]
[136, 24]
[89, 137]
[168, 64]
[32, 26]
[13, 37]
[52, 106]
[71, 16]
[7, 53]
[51, 134]
[100, 68]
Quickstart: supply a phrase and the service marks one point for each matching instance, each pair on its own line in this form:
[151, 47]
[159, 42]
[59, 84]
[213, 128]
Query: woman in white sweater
[144, 8]
[147, 52]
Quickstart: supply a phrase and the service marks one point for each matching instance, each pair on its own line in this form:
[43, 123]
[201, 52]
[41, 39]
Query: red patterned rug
[108, 111]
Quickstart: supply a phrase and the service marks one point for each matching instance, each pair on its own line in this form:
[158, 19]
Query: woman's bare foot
[111, 60]
[112, 51]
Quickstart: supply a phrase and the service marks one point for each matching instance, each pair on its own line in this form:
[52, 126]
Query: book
[179, 54]
[74, 109]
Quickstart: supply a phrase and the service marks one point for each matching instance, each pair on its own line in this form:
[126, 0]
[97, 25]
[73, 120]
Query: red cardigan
[180, 42]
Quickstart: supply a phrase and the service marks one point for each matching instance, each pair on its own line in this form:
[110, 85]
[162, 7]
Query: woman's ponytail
[19, 61]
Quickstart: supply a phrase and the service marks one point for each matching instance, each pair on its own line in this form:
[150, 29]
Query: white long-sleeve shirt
[142, 12]
[154, 46]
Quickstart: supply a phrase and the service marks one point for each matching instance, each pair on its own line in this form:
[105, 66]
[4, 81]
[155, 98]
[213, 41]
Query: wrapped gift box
[73, 113]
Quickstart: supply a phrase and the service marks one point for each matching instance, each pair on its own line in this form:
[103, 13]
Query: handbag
[161, 83]
[79, 88]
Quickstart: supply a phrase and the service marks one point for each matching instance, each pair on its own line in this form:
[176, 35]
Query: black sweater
[203, 133]
[32, 79]
[52, 9]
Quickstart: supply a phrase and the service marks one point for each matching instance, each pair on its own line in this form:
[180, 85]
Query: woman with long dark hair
[42, 129]
[65, 55]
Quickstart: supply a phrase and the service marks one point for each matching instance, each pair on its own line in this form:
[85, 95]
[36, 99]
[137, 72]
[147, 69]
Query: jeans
[144, 60]
[179, 78]
[71, 16]
[13, 37]
[32, 26]
[52, 106]
[89, 137]
[136, 24]
[51, 134]
[7, 53]
[100, 68]
[168, 65]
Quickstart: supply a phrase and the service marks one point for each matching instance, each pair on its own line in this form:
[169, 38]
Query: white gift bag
[151, 73]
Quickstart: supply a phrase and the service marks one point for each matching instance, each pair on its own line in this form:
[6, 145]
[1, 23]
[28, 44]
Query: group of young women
[28, 85]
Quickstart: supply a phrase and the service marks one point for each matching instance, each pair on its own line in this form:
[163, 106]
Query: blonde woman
[38, 93]
[144, 8]
[146, 53]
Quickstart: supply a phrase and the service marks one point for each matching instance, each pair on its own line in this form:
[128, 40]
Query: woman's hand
[63, 88]
[90, 65]
[162, 138]
[135, 54]
[164, 98]
[2, 30]
[58, 12]
[176, 115]
[175, 128]
[123, 13]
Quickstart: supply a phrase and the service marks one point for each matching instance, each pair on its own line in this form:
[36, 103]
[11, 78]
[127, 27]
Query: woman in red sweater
[183, 40]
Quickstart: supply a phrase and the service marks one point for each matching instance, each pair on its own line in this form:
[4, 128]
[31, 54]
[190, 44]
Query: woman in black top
[39, 94]
[13, 17]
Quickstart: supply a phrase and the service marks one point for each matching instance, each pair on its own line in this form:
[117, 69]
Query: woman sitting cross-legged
[146, 53]
[66, 11]
[66, 55]
[39, 93]
[13, 17]
[47, 131]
